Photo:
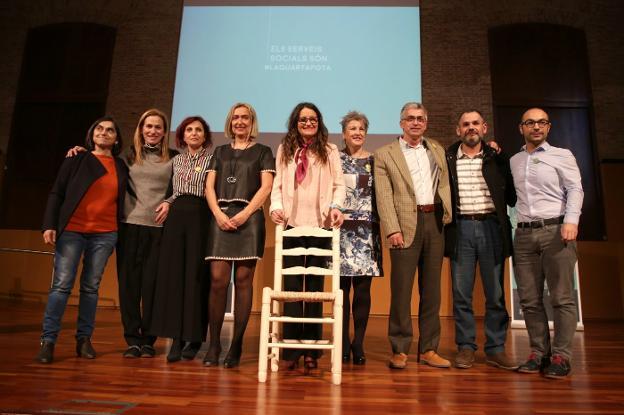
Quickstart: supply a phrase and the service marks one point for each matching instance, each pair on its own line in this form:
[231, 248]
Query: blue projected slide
[340, 58]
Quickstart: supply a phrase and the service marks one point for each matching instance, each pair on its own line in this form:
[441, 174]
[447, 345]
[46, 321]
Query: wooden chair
[271, 340]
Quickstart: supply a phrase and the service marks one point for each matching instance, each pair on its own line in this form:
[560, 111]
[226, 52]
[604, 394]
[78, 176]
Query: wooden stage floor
[111, 384]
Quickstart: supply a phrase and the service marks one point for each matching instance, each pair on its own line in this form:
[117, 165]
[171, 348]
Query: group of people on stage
[184, 223]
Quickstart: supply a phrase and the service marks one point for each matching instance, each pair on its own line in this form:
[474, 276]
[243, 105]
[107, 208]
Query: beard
[472, 140]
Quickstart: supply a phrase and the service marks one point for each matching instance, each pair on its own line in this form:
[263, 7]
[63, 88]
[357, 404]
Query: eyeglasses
[531, 123]
[311, 120]
[420, 119]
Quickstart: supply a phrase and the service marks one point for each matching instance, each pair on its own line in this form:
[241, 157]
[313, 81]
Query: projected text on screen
[340, 58]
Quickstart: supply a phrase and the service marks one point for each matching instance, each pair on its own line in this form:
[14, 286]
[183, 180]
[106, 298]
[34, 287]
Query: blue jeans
[479, 241]
[70, 246]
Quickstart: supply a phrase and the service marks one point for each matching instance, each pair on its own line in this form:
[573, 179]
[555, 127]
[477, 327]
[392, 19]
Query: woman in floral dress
[360, 241]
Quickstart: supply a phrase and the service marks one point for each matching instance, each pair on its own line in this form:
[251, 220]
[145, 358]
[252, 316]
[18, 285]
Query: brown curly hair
[293, 140]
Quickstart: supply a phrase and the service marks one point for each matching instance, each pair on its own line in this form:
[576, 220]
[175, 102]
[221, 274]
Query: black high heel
[289, 365]
[359, 359]
[309, 363]
[232, 360]
[212, 357]
[175, 352]
[190, 350]
[358, 355]
[346, 354]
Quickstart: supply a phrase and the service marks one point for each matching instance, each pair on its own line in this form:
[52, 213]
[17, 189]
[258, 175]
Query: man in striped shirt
[481, 189]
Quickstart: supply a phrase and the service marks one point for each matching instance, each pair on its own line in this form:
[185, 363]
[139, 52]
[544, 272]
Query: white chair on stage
[271, 340]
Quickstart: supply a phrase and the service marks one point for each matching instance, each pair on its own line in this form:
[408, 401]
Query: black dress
[238, 180]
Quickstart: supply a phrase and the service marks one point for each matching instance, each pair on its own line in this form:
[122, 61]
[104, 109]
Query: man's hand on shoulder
[494, 145]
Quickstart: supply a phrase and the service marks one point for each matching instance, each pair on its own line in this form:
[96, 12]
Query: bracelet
[335, 206]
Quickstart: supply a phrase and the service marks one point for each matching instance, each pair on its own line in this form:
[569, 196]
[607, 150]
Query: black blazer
[73, 180]
[497, 175]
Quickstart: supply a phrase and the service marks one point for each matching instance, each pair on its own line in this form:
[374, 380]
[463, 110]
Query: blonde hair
[254, 120]
[139, 141]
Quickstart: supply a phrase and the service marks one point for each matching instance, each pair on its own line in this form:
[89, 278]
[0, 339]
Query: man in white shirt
[413, 201]
[550, 197]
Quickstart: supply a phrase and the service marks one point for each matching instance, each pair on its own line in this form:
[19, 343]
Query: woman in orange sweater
[82, 215]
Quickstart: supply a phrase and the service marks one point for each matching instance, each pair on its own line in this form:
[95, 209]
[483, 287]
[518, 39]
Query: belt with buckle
[428, 208]
[540, 223]
[478, 216]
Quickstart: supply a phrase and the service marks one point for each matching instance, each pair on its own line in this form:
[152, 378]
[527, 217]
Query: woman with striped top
[180, 309]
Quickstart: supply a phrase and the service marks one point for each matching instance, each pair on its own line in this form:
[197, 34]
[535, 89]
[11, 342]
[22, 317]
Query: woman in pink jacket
[308, 190]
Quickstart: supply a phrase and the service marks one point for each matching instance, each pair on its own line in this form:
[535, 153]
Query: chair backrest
[280, 253]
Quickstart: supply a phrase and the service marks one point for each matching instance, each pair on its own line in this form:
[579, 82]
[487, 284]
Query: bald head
[534, 114]
[534, 127]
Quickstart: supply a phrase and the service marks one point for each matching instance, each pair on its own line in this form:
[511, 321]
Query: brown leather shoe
[433, 359]
[501, 360]
[398, 361]
[465, 358]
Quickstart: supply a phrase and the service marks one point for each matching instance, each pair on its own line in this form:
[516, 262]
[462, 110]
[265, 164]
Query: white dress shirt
[548, 184]
[423, 169]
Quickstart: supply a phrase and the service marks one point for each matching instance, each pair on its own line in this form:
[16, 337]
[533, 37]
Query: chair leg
[337, 350]
[275, 335]
[264, 334]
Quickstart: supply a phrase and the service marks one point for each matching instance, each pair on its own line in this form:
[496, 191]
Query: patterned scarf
[302, 163]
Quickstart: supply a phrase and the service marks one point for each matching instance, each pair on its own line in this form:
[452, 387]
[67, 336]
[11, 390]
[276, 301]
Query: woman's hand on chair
[336, 217]
[277, 216]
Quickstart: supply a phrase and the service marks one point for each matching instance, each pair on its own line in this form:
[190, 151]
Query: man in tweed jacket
[414, 202]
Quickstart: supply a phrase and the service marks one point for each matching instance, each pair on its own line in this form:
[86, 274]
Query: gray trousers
[540, 254]
[425, 254]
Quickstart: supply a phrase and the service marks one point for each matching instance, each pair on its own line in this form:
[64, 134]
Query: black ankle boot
[84, 348]
[46, 352]
[175, 352]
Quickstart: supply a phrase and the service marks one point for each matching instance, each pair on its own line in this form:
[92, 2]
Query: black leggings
[361, 309]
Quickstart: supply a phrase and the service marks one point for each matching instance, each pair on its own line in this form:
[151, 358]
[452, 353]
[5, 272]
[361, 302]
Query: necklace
[193, 165]
[231, 179]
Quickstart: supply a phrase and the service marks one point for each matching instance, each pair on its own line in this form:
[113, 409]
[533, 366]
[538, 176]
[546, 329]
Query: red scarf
[302, 163]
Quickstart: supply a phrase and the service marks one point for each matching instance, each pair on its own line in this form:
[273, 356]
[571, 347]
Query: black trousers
[300, 331]
[183, 281]
[138, 247]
